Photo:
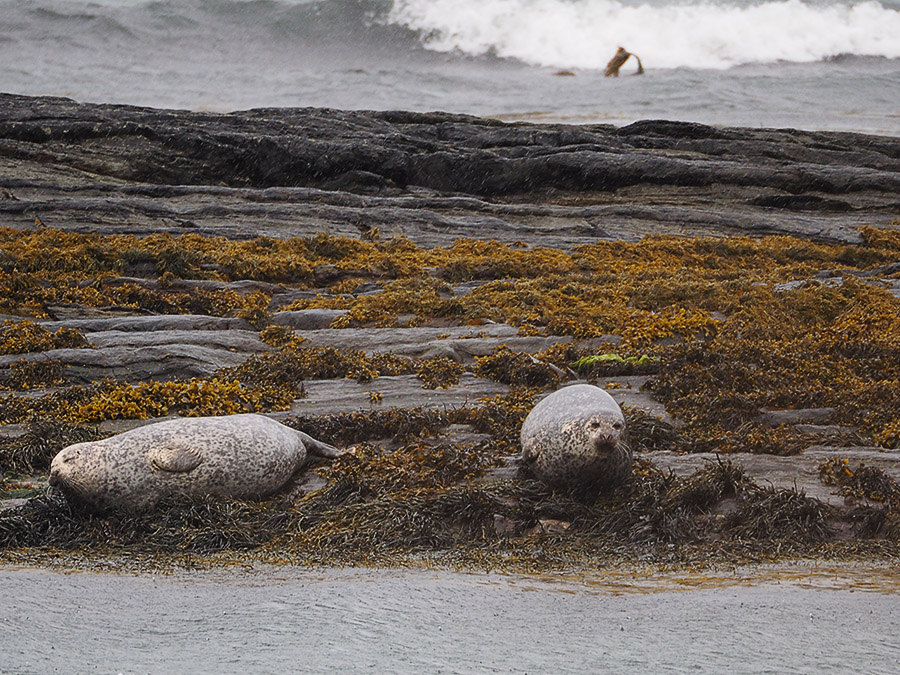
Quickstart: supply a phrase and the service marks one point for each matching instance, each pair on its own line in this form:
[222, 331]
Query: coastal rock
[156, 322]
[307, 319]
[798, 471]
[774, 418]
[432, 177]
[156, 362]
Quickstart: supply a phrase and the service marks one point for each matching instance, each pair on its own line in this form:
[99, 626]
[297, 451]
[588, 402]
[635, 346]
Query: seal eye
[595, 424]
[617, 425]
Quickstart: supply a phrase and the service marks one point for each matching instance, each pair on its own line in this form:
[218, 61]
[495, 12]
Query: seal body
[241, 456]
[576, 438]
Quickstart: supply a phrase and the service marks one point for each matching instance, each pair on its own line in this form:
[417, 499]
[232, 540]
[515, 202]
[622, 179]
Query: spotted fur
[577, 438]
[241, 456]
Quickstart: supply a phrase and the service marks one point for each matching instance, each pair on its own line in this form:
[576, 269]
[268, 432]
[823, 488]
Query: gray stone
[158, 362]
[327, 397]
[151, 323]
[774, 418]
[12, 503]
[800, 471]
[244, 341]
[307, 319]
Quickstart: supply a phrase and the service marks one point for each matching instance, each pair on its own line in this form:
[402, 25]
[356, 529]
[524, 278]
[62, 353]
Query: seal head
[576, 438]
[242, 456]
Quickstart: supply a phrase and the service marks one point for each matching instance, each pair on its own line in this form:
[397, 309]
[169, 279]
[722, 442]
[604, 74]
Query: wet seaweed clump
[648, 433]
[15, 408]
[862, 483]
[780, 515]
[22, 337]
[440, 372]
[35, 374]
[296, 363]
[399, 424]
[281, 337]
[518, 369]
[808, 346]
[412, 499]
[277, 369]
[191, 398]
[177, 526]
[43, 438]
[501, 416]
[254, 310]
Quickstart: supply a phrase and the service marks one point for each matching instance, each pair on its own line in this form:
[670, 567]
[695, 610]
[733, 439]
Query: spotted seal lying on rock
[576, 438]
[241, 456]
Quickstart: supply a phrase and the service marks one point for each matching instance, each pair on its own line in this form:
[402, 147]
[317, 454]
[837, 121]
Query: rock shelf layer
[432, 177]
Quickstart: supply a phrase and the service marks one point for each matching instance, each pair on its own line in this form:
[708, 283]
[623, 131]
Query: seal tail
[318, 448]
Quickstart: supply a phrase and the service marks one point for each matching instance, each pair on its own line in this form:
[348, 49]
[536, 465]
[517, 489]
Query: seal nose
[54, 478]
[604, 442]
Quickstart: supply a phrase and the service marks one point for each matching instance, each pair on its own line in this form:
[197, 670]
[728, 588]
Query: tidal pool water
[287, 620]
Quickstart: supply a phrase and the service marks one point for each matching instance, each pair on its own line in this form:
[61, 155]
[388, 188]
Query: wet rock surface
[800, 472]
[430, 176]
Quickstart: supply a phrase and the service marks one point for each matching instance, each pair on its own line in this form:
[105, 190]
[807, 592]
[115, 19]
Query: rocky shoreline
[431, 177]
[425, 180]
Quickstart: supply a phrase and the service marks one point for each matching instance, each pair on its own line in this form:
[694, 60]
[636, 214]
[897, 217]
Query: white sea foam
[585, 33]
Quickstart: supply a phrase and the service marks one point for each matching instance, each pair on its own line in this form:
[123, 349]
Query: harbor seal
[241, 456]
[576, 438]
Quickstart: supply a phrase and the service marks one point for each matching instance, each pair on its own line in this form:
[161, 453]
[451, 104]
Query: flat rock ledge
[432, 177]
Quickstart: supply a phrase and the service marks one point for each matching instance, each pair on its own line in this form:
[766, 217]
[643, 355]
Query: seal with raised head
[242, 456]
[576, 438]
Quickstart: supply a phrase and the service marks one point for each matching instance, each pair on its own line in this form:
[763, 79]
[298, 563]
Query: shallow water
[287, 620]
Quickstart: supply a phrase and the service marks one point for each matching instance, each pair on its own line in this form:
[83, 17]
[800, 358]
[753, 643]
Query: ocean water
[814, 64]
[415, 621]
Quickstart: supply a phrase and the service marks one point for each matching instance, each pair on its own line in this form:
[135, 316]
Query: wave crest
[585, 33]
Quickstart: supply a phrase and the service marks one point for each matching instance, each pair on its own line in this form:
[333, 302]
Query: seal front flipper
[173, 459]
